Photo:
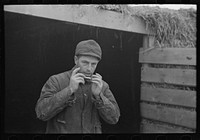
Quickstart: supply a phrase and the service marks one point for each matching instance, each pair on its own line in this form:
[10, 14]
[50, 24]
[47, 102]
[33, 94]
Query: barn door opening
[121, 70]
[37, 48]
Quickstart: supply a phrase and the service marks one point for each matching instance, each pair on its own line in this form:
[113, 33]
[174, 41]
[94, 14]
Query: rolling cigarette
[88, 79]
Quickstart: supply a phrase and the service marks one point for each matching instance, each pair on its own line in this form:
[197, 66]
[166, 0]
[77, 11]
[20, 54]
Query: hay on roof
[172, 28]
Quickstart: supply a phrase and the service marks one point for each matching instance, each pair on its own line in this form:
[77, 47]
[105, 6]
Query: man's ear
[75, 60]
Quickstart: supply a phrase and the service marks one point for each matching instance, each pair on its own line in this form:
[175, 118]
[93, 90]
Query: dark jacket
[78, 113]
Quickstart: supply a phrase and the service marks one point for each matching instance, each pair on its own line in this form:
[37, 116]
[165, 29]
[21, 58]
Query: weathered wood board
[171, 76]
[169, 96]
[161, 128]
[177, 56]
[175, 116]
[83, 14]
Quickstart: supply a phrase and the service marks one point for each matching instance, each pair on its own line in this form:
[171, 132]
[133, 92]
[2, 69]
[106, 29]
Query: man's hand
[97, 84]
[75, 79]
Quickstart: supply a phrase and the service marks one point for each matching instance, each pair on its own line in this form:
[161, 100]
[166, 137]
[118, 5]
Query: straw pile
[172, 28]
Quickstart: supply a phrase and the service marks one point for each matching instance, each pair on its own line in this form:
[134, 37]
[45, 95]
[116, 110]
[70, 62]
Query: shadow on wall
[37, 48]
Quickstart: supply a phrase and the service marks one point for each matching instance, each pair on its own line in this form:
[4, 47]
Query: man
[74, 101]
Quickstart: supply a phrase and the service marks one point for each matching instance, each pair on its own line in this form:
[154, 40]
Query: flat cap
[89, 48]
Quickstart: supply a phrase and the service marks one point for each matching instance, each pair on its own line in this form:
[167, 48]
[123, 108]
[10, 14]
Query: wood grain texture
[161, 128]
[171, 76]
[83, 14]
[169, 96]
[178, 56]
[175, 116]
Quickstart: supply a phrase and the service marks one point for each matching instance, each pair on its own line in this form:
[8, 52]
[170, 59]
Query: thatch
[172, 28]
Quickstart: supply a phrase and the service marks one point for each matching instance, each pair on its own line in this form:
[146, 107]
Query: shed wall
[168, 90]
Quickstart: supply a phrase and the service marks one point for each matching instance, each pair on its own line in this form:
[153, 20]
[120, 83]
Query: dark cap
[88, 47]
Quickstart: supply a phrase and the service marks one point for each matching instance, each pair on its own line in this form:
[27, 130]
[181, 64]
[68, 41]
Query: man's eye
[93, 65]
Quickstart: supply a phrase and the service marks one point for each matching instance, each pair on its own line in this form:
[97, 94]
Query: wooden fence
[168, 90]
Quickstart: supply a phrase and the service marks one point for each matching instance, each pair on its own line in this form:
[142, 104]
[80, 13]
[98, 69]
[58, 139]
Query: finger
[80, 80]
[97, 76]
[97, 79]
[79, 75]
[96, 83]
[75, 71]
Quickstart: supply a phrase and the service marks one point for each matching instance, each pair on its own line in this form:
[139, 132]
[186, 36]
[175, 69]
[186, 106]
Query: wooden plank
[175, 116]
[178, 56]
[148, 43]
[169, 96]
[84, 14]
[161, 128]
[171, 76]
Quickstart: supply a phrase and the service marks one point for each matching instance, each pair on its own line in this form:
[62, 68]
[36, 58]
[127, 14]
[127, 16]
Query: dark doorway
[36, 48]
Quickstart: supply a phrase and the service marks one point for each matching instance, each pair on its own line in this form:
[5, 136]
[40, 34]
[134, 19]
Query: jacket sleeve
[53, 100]
[107, 106]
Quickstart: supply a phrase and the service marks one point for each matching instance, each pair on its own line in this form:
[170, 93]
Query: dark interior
[36, 48]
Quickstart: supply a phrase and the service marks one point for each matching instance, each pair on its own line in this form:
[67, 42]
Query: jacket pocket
[60, 118]
[61, 121]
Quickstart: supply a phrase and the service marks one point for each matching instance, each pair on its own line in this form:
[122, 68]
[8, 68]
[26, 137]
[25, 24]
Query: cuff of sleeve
[71, 100]
[99, 103]
[67, 96]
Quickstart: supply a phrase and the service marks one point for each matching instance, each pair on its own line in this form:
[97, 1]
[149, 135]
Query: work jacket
[78, 112]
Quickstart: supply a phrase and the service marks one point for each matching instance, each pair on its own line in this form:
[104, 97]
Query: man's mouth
[88, 74]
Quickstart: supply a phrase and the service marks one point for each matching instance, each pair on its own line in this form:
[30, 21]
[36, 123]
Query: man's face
[87, 64]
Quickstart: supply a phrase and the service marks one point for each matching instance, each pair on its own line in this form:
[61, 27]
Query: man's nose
[89, 68]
